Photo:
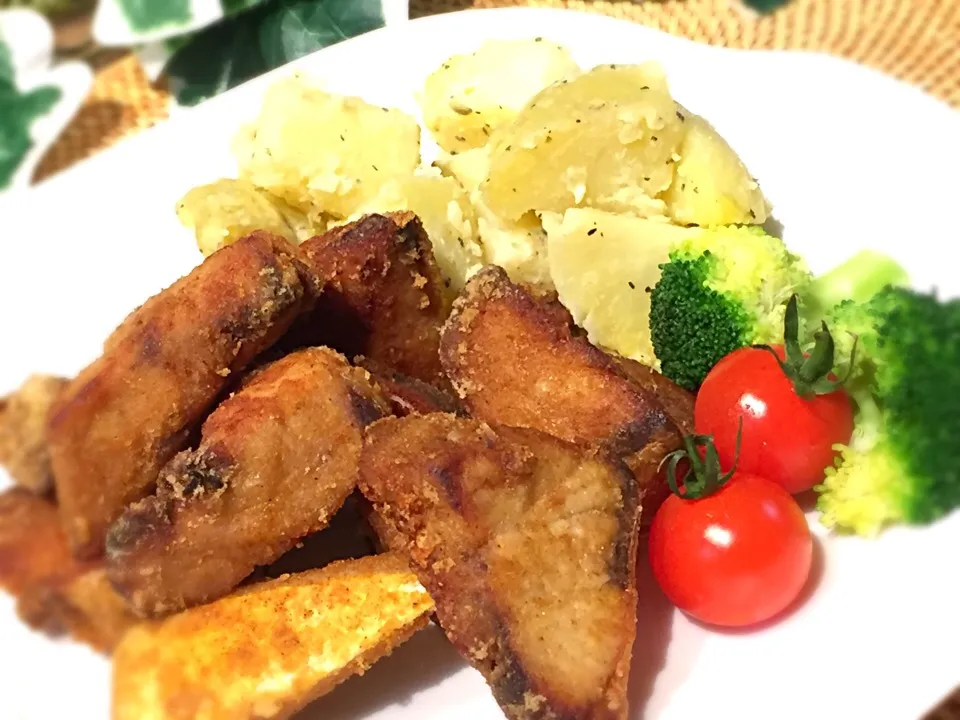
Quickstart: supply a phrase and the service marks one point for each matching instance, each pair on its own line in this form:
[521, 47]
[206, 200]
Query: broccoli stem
[858, 279]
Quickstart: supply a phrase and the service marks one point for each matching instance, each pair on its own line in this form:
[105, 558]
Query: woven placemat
[915, 40]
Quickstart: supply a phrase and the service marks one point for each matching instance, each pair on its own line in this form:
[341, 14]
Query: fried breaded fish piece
[408, 395]
[276, 461]
[32, 544]
[527, 544]
[514, 361]
[23, 442]
[384, 296]
[55, 593]
[84, 606]
[677, 402]
[129, 412]
[271, 648]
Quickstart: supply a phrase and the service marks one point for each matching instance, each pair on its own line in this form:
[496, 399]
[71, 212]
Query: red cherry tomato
[786, 438]
[734, 558]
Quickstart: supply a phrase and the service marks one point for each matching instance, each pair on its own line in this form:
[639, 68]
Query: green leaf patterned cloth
[265, 37]
[18, 111]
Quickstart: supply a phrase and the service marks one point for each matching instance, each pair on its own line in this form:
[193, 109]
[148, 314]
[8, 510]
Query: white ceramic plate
[849, 158]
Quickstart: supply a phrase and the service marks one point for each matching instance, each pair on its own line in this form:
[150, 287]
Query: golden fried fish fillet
[32, 544]
[55, 593]
[384, 296]
[23, 442]
[677, 402]
[276, 461]
[84, 606]
[514, 360]
[346, 537]
[527, 544]
[271, 648]
[407, 395]
[128, 413]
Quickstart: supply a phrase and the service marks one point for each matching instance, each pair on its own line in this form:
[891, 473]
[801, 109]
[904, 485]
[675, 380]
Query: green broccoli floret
[901, 466]
[856, 280]
[722, 289]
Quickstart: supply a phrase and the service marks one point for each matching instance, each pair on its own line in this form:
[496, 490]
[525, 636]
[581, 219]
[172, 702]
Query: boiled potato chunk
[469, 96]
[602, 265]
[606, 139]
[712, 185]
[224, 211]
[518, 246]
[470, 167]
[325, 153]
[445, 211]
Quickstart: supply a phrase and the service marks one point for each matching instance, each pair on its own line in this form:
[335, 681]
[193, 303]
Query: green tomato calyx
[704, 477]
[809, 373]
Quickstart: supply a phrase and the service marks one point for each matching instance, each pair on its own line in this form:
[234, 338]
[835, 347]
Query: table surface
[917, 41]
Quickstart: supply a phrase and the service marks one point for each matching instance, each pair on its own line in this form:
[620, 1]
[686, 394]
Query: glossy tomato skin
[735, 558]
[786, 438]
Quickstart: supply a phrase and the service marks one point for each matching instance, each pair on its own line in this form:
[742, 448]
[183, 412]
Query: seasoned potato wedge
[712, 185]
[446, 213]
[325, 153]
[469, 96]
[272, 648]
[605, 139]
[602, 264]
[222, 212]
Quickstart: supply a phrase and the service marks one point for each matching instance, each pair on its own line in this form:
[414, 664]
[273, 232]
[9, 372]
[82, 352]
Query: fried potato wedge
[276, 461]
[514, 359]
[55, 593]
[270, 649]
[528, 546]
[124, 416]
[23, 441]
[384, 297]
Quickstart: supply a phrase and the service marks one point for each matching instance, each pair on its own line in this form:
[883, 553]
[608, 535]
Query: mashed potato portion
[325, 153]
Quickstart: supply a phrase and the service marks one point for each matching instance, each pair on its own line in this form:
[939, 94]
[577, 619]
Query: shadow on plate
[773, 227]
[654, 629]
[425, 660]
[807, 500]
